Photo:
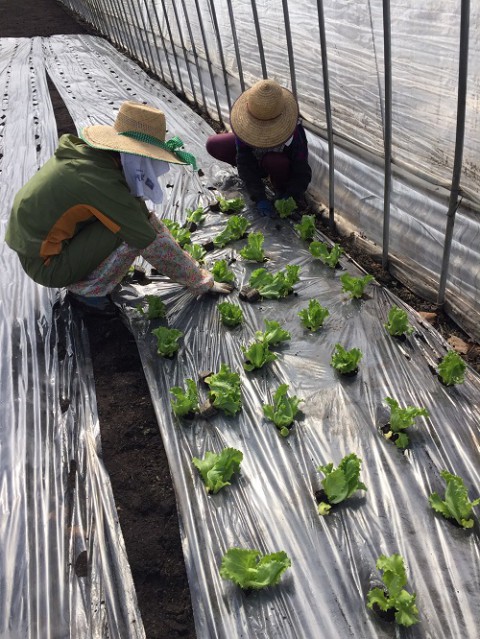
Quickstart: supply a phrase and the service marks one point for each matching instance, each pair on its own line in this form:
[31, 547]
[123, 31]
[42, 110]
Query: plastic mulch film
[63, 566]
[271, 506]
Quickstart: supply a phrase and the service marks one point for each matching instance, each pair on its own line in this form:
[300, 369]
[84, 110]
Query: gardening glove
[221, 288]
[265, 207]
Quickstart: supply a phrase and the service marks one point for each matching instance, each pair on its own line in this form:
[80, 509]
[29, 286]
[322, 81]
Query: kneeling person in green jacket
[81, 220]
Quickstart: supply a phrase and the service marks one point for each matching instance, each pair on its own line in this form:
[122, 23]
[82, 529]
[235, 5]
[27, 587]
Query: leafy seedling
[344, 361]
[340, 483]
[257, 355]
[155, 307]
[400, 420]
[306, 228]
[330, 257]
[216, 470]
[197, 216]
[313, 316]
[167, 340]
[232, 205]
[225, 390]
[273, 335]
[282, 412]
[285, 207]
[249, 570]
[355, 286]
[451, 369]
[393, 596]
[231, 314]
[196, 251]
[275, 286]
[397, 322]
[253, 250]
[185, 402]
[182, 235]
[234, 230]
[456, 504]
[221, 272]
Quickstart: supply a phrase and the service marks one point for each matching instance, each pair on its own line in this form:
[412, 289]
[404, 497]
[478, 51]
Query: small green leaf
[217, 469]
[248, 569]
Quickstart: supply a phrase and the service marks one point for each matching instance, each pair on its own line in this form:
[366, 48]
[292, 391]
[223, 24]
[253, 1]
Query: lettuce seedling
[355, 286]
[155, 309]
[221, 272]
[285, 207]
[249, 570]
[401, 419]
[275, 286]
[196, 251]
[233, 205]
[217, 469]
[184, 402]
[231, 314]
[306, 228]
[167, 340]
[257, 355]
[282, 412]
[452, 369]
[313, 316]
[273, 335]
[197, 216]
[394, 577]
[345, 361]
[181, 234]
[397, 323]
[341, 482]
[254, 248]
[234, 230]
[328, 256]
[225, 390]
[456, 505]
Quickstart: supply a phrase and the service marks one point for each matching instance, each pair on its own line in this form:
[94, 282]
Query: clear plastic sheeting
[63, 566]
[271, 505]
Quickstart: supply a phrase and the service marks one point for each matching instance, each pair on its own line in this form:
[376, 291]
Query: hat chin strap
[142, 175]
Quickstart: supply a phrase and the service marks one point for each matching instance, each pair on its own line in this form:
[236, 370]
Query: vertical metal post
[235, 44]
[147, 10]
[145, 29]
[185, 54]
[172, 79]
[328, 115]
[144, 59]
[459, 143]
[288, 34]
[170, 35]
[128, 44]
[387, 47]
[220, 52]
[195, 54]
[115, 26]
[259, 40]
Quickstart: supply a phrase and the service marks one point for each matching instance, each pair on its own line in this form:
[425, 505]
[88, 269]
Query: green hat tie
[173, 146]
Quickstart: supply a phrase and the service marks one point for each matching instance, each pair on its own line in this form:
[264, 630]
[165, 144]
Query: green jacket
[73, 213]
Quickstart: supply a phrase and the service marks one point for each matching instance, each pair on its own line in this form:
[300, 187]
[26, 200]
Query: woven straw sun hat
[138, 129]
[265, 115]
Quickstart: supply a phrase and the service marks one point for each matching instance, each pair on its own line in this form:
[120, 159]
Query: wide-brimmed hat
[138, 129]
[265, 115]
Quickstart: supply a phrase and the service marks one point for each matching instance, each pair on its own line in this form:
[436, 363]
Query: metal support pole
[162, 38]
[185, 54]
[170, 35]
[195, 54]
[235, 44]
[220, 51]
[288, 34]
[154, 42]
[387, 46]
[259, 40]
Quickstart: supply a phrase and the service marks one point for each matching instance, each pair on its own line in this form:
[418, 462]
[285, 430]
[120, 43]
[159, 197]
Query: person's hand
[221, 288]
[265, 207]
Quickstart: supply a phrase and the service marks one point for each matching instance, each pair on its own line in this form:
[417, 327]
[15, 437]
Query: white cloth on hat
[142, 175]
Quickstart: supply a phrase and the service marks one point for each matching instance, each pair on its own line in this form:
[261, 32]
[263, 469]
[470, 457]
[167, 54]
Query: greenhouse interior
[326, 518]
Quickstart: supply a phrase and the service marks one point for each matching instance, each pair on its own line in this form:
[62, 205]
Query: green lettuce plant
[314, 315]
[400, 420]
[155, 307]
[231, 314]
[306, 228]
[225, 390]
[275, 286]
[397, 322]
[182, 235]
[197, 216]
[167, 340]
[184, 402]
[345, 361]
[257, 355]
[283, 410]
[216, 470]
[330, 257]
[355, 286]
[221, 272]
[250, 570]
[451, 369]
[234, 230]
[456, 504]
[393, 596]
[196, 251]
[273, 335]
[232, 205]
[340, 483]
[253, 250]
[285, 207]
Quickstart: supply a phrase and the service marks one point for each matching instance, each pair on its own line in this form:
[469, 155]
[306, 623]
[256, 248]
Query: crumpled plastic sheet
[271, 505]
[63, 566]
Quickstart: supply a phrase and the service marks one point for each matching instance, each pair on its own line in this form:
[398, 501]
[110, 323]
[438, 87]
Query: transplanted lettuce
[275, 286]
[249, 570]
[451, 369]
[396, 598]
[355, 286]
[155, 307]
[257, 355]
[397, 323]
[232, 205]
[328, 256]
[282, 412]
[306, 228]
[313, 316]
[234, 230]
[401, 419]
[221, 272]
[197, 216]
[273, 335]
[345, 361]
[341, 482]
[225, 390]
[231, 314]
[167, 340]
[285, 207]
[184, 402]
[456, 504]
[196, 251]
[181, 234]
[254, 248]
[217, 469]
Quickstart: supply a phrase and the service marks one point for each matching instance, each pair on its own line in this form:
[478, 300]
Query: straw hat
[138, 129]
[265, 115]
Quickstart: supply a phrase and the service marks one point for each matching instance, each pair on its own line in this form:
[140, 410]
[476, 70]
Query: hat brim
[106, 138]
[264, 134]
